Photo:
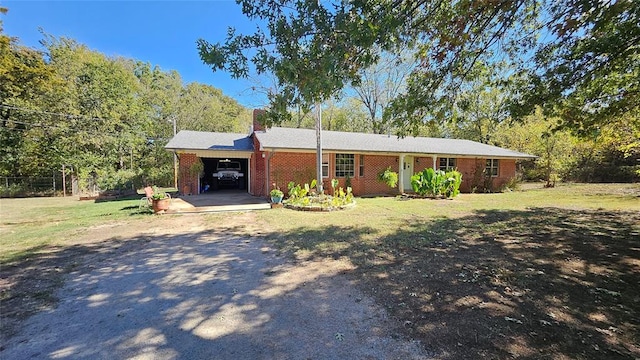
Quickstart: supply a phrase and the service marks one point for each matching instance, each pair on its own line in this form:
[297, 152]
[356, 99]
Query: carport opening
[214, 183]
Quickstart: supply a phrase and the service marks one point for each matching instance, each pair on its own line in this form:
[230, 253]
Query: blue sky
[163, 33]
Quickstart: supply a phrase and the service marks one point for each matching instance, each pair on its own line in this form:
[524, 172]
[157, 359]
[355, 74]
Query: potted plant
[160, 200]
[276, 196]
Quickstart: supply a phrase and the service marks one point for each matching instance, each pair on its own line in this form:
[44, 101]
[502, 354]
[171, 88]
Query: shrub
[388, 177]
[276, 193]
[302, 197]
[436, 183]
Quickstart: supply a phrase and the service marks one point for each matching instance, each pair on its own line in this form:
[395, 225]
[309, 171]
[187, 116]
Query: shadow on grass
[540, 283]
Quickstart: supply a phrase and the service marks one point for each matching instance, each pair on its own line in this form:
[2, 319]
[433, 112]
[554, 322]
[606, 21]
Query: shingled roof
[200, 140]
[336, 141]
[305, 139]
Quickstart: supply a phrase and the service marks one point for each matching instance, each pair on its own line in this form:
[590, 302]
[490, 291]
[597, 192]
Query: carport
[211, 148]
[211, 167]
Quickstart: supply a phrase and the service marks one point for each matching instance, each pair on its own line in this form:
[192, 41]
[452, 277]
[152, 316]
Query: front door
[407, 169]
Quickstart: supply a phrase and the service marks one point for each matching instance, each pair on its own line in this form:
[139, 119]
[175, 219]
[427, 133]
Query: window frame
[361, 166]
[491, 166]
[345, 165]
[448, 164]
[325, 165]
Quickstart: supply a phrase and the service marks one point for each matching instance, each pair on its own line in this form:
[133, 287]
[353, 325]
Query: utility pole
[175, 156]
[319, 143]
[64, 181]
[319, 148]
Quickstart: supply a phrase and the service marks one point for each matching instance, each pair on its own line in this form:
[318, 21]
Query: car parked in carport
[228, 173]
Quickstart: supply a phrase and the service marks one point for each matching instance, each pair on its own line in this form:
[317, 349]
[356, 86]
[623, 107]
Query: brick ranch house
[280, 155]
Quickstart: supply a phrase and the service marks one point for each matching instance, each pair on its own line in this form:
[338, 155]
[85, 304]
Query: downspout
[249, 165]
[268, 177]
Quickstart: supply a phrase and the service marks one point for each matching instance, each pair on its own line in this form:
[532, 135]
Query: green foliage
[452, 184]
[276, 193]
[389, 177]
[436, 183]
[158, 194]
[105, 118]
[585, 71]
[608, 155]
[301, 197]
[296, 191]
[197, 168]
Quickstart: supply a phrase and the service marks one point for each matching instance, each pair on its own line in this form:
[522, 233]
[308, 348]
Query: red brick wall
[257, 126]
[187, 183]
[507, 171]
[469, 168]
[301, 168]
[258, 170]
[473, 177]
[287, 166]
[373, 165]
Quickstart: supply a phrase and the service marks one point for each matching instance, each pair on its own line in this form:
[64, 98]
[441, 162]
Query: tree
[24, 79]
[205, 108]
[556, 149]
[344, 116]
[589, 74]
[107, 118]
[380, 84]
[479, 108]
[589, 56]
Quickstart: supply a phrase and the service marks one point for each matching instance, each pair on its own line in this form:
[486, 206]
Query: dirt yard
[187, 287]
[525, 282]
[540, 284]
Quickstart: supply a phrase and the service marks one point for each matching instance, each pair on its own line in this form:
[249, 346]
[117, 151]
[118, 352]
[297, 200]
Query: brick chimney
[257, 126]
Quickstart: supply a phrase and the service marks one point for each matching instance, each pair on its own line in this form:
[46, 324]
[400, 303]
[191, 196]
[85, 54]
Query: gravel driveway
[202, 294]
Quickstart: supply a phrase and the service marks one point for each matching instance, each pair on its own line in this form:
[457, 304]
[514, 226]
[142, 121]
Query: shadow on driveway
[206, 295]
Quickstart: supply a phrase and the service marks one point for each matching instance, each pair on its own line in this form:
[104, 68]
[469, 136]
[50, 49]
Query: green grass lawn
[536, 274]
[30, 225]
[374, 218]
[539, 273]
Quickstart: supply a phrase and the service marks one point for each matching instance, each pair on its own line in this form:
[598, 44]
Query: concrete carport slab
[223, 200]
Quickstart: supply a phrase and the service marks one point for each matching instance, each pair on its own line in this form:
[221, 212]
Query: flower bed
[302, 198]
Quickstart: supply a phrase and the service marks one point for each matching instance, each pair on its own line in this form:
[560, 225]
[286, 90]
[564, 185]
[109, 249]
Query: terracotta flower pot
[160, 205]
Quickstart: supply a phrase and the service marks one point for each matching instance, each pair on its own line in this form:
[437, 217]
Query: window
[492, 167]
[361, 166]
[447, 164]
[345, 165]
[325, 165]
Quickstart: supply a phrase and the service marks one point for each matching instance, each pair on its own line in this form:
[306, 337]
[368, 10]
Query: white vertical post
[435, 162]
[401, 174]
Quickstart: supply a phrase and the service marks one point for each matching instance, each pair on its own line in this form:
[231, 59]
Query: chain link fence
[32, 186]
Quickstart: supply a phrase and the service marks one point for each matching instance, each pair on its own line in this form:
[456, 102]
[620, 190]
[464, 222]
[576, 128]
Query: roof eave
[394, 153]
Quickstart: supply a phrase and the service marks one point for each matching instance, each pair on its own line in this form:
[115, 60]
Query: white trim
[218, 153]
[395, 154]
[401, 173]
[249, 175]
